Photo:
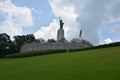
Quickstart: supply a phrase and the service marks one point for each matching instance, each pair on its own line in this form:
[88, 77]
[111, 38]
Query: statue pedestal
[60, 34]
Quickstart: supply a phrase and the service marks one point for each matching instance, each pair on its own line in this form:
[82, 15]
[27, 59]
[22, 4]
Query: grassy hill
[97, 64]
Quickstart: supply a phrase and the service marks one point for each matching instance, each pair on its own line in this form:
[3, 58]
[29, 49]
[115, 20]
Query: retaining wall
[51, 46]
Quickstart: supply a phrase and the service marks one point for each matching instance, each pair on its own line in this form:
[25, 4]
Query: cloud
[94, 14]
[107, 41]
[115, 10]
[115, 29]
[48, 32]
[66, 11]
[15, 18]
[90, 15]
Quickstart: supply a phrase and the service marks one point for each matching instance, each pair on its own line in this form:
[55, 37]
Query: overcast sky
[98, 19]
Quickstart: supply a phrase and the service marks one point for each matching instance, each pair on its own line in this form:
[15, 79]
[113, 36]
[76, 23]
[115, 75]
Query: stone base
[60, 34]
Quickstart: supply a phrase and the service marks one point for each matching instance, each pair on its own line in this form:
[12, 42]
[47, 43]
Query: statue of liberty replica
[60, 32]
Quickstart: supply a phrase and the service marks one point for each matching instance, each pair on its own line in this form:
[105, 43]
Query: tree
[51, 40]
[21, 40]
[6, 45]
[75, 40]
[40, 40]
[81, 41]
[86, 42]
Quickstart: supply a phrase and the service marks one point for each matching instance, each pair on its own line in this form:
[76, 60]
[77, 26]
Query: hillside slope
[98, 64]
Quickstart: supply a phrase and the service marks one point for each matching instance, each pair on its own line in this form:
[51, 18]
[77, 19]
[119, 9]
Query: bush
[34, 53]
[44, 52]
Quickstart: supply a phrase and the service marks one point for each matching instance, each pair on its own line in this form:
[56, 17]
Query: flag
[80, 33]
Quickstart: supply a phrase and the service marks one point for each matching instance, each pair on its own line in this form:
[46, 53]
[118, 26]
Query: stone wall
[50, 46]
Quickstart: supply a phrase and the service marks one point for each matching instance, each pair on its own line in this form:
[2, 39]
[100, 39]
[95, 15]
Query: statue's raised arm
[61, 23]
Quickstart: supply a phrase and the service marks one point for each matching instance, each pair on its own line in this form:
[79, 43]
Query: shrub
[34, 53]
[44, 52]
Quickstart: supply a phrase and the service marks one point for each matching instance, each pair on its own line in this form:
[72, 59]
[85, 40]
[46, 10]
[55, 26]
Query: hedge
[44, 52]
[34, 53]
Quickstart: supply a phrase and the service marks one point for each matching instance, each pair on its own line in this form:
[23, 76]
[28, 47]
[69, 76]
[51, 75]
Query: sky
[98, 19]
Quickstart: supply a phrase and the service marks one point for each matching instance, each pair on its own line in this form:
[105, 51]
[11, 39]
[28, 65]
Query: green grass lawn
[97, 64]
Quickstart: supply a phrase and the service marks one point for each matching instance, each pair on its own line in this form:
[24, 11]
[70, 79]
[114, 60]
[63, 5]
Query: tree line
[8, 46]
